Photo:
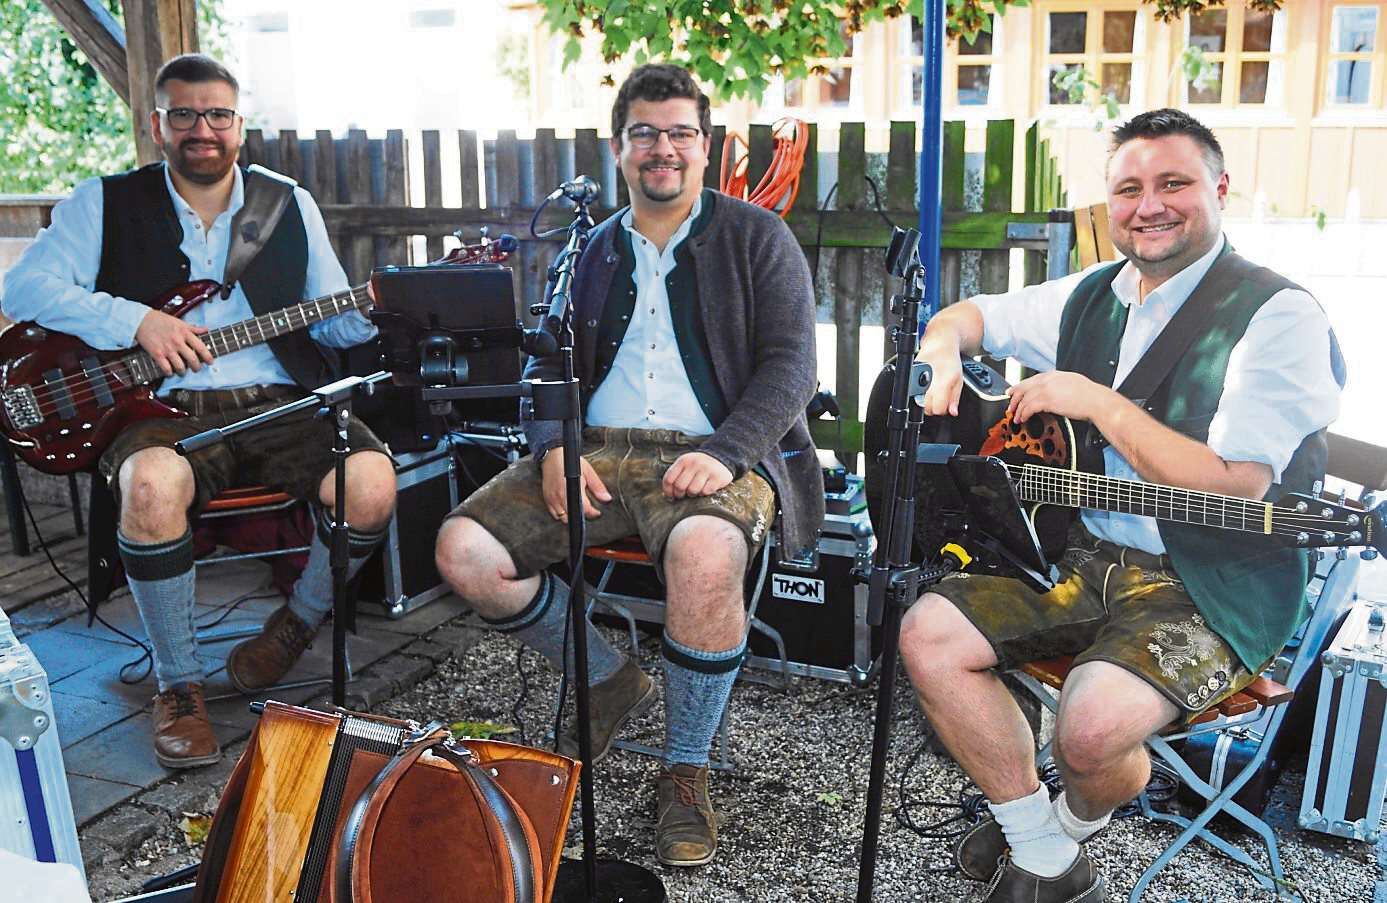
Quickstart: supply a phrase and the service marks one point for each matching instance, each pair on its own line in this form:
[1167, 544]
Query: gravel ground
[792, 811]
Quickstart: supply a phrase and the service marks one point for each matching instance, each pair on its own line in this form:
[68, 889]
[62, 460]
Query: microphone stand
[334, 401]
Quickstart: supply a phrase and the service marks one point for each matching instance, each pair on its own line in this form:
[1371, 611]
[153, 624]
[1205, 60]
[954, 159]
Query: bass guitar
[62, 402]
[1054, 473]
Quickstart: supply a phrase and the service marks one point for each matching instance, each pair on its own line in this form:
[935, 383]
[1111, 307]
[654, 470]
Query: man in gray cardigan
[694, 323]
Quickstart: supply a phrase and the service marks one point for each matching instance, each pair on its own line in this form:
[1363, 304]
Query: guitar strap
[267, 195]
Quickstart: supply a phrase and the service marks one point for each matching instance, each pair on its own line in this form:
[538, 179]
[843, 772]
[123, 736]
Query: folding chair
[631, 608]
[1253, 715]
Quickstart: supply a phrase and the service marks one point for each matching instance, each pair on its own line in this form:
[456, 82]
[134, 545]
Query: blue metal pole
[931, 153]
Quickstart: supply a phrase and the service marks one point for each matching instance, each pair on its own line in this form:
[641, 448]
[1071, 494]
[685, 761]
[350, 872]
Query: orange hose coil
[781, 181]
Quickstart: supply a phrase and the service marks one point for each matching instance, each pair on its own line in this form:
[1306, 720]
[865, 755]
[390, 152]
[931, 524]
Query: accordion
[348, 808]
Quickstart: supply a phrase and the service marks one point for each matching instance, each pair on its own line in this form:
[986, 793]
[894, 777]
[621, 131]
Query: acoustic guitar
[62, 402]
[1054, 472]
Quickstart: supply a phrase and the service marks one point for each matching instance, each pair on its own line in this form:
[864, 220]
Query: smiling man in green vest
[1163, 619]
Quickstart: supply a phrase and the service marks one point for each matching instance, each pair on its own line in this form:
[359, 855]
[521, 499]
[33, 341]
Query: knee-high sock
[1038, 843]
[697, 687]
[1074, 826]
[311, 599]
[163, 582]
[540, 624]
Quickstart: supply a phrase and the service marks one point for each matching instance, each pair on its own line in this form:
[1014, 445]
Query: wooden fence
[363, 186]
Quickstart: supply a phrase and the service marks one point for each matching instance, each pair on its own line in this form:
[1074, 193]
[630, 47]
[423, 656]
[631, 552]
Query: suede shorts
[1113, 604]
[291, 454]
[631, 463]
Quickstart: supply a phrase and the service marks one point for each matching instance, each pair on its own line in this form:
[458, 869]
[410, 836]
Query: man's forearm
[957, 329]
[1159, 454]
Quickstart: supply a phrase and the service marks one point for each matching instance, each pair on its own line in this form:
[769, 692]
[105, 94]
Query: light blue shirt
[53, 281]
[1278, 388]
[648, 387]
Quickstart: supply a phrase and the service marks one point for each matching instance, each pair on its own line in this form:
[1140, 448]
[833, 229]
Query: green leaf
[572, 52]
[479, 730]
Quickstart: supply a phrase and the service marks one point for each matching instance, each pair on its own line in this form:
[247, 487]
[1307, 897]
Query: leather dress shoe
[611, 704]
[183, 735]
[263, 660]
[686, 832]
[1080, 883]
[979, 850]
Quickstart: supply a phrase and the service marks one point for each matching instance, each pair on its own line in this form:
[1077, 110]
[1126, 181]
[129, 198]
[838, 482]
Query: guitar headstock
[1310, 522]
[484, 250]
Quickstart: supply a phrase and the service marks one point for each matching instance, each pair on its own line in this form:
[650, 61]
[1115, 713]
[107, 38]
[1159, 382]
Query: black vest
[140, 260]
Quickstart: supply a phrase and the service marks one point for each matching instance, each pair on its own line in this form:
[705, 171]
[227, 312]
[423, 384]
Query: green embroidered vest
[1250, 591]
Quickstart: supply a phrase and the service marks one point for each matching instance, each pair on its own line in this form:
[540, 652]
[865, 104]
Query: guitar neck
[1077, 489]
[258, 330]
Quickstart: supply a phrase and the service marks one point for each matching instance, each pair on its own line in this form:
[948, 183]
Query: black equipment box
[811, 620]
[430, 484]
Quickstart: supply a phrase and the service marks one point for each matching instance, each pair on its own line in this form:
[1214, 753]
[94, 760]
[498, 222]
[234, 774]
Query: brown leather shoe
[1080, 884]
[687, 830]
[262, 660]
[183, 735]
[980, 849]
[611, 704]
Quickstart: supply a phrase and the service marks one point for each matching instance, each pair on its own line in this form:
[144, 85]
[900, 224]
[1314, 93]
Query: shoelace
[687, 788]
[183, 703]
[291, 638]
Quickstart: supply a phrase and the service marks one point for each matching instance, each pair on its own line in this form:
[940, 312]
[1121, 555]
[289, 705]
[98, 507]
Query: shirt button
[652, 347]
[652, 310]
[592, 324]
[650, 413]
[650, 375]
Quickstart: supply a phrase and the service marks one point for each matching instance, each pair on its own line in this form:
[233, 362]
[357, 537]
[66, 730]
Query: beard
[656, 192]
[202, 170]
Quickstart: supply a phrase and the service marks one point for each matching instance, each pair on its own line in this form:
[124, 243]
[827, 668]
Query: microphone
[581, 190]
[506, 243]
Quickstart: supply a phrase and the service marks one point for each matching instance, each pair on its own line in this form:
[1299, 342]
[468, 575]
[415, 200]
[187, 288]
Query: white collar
[1172, 293]
[234, 204]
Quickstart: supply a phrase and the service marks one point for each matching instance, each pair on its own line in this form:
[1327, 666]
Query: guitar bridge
[21, 408]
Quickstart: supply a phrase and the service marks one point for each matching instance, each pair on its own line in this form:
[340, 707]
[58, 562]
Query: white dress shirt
[647, 386]
[1278, 388]
[53, 281]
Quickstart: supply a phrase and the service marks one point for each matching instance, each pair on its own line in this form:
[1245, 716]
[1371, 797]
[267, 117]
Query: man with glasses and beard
[694, 322]
[114, 246]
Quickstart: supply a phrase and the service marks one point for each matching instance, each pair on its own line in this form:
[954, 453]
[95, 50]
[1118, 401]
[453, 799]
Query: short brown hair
[1168, 121]
[655, 82]
[193, 68]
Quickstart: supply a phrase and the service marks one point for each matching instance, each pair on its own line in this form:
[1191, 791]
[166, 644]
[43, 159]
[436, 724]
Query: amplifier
[811, 620]
[1347, 771]
[430, 484]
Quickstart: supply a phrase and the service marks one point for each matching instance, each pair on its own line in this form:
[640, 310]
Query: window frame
[1093, 56]
[903, 65]
[812, 107]
[1232, 58]
[1377, 57]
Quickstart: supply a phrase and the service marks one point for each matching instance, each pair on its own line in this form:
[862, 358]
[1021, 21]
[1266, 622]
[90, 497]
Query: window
[1354, 55]
[1244, 51]
[829, 89]
[1106, 43]
[971, 72]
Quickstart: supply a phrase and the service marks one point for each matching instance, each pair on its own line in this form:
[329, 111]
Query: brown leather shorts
[1113, 604]
[291, 454]
[631, 463]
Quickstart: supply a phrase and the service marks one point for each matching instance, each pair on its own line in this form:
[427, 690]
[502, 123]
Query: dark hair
[194, 68]
[659, 81]
[1160, 123]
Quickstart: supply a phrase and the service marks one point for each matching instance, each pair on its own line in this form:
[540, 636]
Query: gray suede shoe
[611, 704]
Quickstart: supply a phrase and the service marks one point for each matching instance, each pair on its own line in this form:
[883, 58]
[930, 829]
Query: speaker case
[427, 487]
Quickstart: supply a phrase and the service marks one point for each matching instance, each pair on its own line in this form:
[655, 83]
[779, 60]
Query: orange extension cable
[781, 181]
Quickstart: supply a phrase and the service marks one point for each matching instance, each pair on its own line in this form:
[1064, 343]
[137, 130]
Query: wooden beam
[155, 31]
[96, 32]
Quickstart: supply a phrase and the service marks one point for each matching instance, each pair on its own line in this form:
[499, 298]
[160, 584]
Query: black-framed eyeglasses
[182, 119]
[681, 137]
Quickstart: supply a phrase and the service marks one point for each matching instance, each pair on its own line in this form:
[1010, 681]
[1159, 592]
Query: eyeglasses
[182, 119]
[681, 137]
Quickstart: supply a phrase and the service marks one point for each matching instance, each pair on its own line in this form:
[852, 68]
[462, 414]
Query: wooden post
[155, 31]
[99, 36]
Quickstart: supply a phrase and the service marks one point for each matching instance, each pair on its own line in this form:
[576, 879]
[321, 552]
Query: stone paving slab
[93, 796]
[79, 717]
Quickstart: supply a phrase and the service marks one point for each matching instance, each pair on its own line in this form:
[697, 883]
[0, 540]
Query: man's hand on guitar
[555, 489]
[946, 382]
[695, 474]
[174, 345]
[1060, 392]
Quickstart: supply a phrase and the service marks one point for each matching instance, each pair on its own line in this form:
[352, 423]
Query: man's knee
[156, 488]
[1105, 714]
[371, 492]
[467, 557]
[706, 554]
[937, 638]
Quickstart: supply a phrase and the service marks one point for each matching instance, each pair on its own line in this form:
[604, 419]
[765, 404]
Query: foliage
[60, 122]
[479, 730]
[737, 47]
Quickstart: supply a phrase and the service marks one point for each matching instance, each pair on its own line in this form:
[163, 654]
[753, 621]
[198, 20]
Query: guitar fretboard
[1077, 489]
[258, 330]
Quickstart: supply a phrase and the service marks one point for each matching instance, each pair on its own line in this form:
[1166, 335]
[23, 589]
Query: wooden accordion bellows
[424, 818]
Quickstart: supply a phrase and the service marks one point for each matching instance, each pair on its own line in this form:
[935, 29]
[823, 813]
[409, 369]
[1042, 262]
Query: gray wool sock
[540, 625]
[697, 687]
[163, 582]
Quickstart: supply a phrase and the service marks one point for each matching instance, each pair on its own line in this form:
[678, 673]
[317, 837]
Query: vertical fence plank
[533, 259]
[1033, 268]
[848, 278]
[290, 163]
[507, 169]
[902, 170]
[713, 174]
[996, 198]
[808, 198]
[951, 184]
[760, 147]
[467, 170]
[396, 192]
[324, 185]
[358, 184]
[253, 148]
[587, 155]
[432, 149]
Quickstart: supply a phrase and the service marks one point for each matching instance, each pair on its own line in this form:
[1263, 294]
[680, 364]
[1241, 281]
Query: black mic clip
[581, 191]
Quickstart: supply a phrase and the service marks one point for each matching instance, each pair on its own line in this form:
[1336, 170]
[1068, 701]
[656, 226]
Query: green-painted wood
[1032, 179]
[712, 175]
[951, 177]
[761, 146]
[852, 166]
[843, 435]
[902, 165]
[808, 199]
[998, 178]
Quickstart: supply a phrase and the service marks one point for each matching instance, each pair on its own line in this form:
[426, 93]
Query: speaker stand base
[617, 882]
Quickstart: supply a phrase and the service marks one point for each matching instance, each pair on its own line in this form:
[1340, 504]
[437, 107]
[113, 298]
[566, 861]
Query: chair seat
[1262, 691]
[241, 499]
[627, 550]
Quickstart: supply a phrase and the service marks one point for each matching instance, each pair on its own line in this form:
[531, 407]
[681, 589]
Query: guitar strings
[1071, 488]
[48, 392]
